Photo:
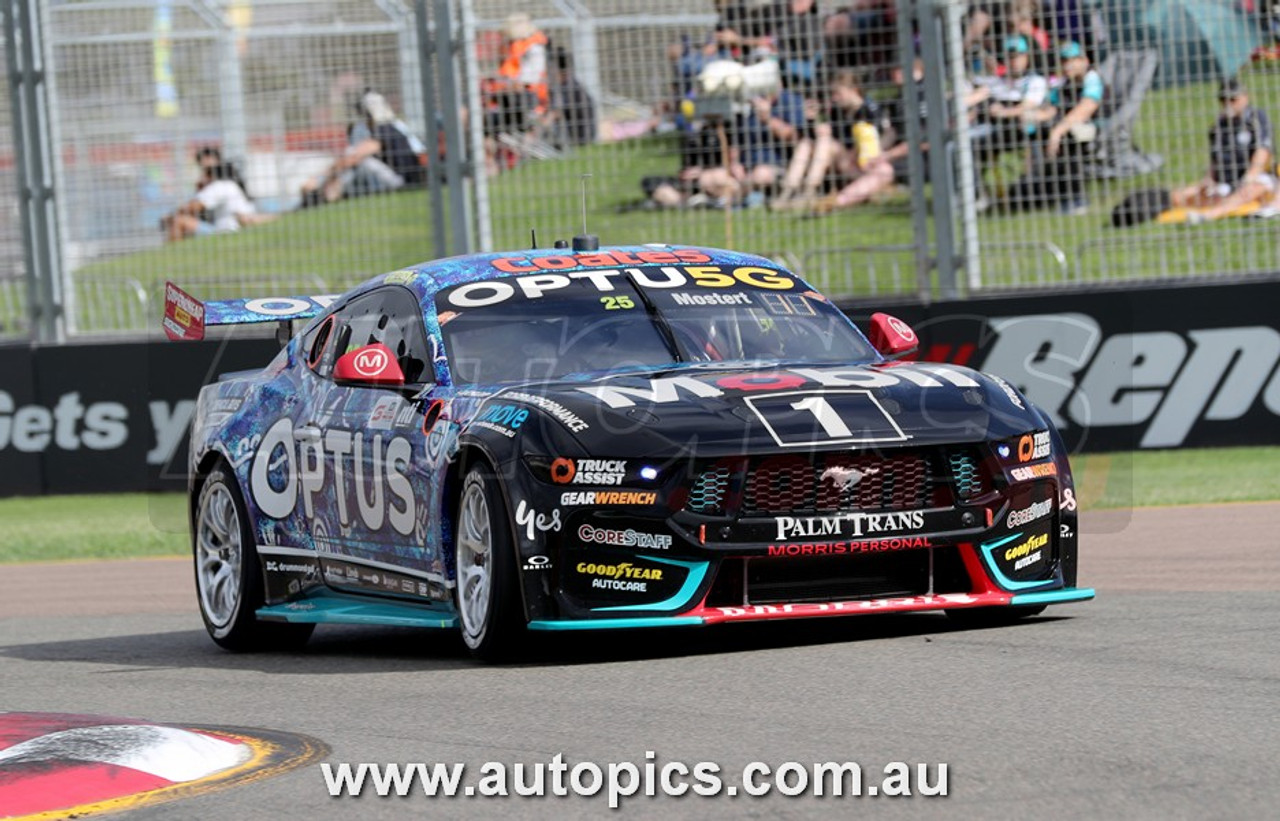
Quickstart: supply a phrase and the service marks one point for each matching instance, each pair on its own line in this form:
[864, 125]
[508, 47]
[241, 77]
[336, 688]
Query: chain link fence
[776, 127]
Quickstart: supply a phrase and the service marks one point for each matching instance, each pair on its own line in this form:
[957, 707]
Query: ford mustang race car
[630, 437]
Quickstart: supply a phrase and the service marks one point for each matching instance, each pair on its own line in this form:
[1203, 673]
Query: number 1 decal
[806, 418]
[826, 416]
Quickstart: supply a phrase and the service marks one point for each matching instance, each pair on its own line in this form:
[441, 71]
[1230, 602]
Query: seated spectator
[221, 204]
[385, 160]
[766, 138]
[701, 152]
[1015, 111]
[1241, 157]
[848, 144]
[1058, 174]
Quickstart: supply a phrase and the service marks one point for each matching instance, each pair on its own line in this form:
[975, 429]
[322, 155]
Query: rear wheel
[993, 616]
[487, 597]
[229, 574]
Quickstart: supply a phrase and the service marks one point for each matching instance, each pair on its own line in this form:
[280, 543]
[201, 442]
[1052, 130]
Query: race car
[584, 438]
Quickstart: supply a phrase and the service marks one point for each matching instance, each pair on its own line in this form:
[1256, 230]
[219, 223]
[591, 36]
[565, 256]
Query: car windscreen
[548, 325]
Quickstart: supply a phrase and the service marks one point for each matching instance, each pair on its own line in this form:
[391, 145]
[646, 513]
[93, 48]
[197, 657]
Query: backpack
[1140, 206]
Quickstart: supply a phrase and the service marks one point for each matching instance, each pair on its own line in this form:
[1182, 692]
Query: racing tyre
[992, 616]
[229, 575]
[488, 600]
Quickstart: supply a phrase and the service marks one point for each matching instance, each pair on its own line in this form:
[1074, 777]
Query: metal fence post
[909, 10]
[932, 51]
[447, 54]
[34, 161]
[953, 14]
[430, 96]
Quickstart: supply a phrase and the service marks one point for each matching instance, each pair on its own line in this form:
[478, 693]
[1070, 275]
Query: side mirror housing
[371, 366]
[892, 337]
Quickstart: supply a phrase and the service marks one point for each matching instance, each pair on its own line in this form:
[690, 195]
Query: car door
[374, 533]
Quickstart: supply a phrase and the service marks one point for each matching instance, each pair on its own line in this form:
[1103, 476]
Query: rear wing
[185, 317]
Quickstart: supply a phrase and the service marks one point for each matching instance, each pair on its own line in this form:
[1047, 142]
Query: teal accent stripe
[1004, 581]
[329, 610]
[1055, 596]
[617, 624]
[697, 571]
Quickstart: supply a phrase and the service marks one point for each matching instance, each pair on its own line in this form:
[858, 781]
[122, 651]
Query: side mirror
[892, 337]
[372, 365]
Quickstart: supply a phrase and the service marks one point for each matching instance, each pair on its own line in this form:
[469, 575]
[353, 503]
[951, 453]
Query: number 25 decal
[613, 303]
[805, 418]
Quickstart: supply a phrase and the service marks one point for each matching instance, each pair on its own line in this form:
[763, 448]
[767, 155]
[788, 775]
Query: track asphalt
[1161, 699]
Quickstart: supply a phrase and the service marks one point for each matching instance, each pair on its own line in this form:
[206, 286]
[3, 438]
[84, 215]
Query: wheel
[487, 598]
[229, 575]
[992, 616]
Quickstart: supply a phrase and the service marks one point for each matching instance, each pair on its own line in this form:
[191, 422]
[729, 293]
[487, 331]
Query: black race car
[628, 437]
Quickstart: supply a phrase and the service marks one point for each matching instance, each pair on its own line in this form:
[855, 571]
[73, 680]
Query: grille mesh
[830, 482]
[708, 492]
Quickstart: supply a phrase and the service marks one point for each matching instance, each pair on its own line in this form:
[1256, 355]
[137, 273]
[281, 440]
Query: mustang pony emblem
[847, 478]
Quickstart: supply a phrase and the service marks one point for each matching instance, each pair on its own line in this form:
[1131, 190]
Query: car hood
[693, 410]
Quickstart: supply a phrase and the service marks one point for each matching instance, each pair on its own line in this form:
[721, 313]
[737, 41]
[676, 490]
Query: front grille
[831, 482]
[836, 481]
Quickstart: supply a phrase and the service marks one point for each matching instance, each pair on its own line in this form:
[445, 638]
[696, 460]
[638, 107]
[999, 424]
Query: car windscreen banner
[1190, 366]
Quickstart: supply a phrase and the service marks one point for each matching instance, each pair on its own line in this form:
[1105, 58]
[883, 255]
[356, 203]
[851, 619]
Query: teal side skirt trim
[332, 610]
[1055, 596]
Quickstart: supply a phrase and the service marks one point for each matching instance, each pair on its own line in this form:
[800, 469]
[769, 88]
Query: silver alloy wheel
[219, 555]
[474, 554]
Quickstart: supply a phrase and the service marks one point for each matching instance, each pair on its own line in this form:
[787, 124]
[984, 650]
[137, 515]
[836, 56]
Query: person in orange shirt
[524, 65]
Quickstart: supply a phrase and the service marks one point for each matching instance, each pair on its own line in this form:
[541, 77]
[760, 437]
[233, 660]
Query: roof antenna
[585, 241]
[533, 238]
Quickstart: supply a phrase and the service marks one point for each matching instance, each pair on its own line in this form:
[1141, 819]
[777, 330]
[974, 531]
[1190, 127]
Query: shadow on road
[353, 650]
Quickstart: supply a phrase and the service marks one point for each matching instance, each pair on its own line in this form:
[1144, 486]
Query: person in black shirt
[382, 159]
[1241, 156]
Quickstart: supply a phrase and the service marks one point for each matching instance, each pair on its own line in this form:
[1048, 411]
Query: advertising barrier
[1116, 369]
[1124, 369]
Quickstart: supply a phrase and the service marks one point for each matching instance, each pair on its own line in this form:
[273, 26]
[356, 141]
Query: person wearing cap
[1241, 156]
[1073, 105]
[524, 62]
[384, 160]
[1016, 104]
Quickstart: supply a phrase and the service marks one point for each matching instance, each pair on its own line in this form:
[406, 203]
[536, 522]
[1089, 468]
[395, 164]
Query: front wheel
[484, 556]
[229, 575]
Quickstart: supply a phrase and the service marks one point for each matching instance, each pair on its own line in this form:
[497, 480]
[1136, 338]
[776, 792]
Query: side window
[389, 315]
[317, 347]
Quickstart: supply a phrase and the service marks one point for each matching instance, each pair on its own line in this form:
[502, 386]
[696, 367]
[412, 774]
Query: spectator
[221, 204]
[1074, 108]
[1014, 112]
[849, 144]
[767, 137]
[524, 64]
[1024, 21]
[701, 154]
[571, 116]
[1241, 155]
[862, 35]
[385, 160]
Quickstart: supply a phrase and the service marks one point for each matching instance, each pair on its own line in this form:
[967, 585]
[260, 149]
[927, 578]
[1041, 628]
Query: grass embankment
[137, 524]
